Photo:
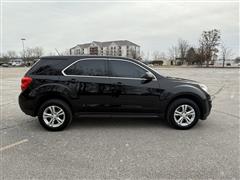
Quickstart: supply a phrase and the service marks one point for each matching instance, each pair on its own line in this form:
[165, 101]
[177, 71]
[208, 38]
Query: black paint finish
[107, 94]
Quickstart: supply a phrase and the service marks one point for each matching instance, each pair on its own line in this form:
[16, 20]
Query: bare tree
[133, 53]
[209, 41]
[142, 56]
[29, 53]
[191, 56]
[4, 58]
[182, 48]
[173, 53]
[37, 52]
[201, 54]
[66, 52]
[11, 54]
[226, 53]
[51, 54]
[163, 55]
[156, 55]
[32, 53]
[148, 56]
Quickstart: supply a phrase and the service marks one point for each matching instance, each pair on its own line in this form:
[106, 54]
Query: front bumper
[207, 109]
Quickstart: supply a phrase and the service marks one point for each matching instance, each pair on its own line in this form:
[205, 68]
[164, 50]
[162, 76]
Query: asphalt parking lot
[124, 148]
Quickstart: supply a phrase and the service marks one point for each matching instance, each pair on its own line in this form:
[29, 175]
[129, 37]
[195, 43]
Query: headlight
[204, 87]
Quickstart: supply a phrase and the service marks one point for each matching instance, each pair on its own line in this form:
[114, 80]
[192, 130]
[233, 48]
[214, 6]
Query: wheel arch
[195, 98]
[51, 95]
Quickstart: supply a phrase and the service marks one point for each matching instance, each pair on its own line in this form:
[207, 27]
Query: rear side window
[120, 68]
[49, 67]
[87, 68]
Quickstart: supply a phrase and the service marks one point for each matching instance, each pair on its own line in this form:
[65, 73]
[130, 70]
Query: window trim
[104, 59]
[125, 60]
[34, 64]
[107, 69]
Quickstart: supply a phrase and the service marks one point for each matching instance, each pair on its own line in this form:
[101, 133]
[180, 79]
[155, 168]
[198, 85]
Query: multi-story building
[122, 48]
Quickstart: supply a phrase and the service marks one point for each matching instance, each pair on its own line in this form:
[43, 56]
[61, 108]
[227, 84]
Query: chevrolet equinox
[58, 87]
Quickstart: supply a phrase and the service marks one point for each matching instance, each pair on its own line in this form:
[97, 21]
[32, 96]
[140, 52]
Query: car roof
[83, 57]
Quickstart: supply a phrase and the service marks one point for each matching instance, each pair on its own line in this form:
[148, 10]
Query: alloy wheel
[184, 115]
[53, 116]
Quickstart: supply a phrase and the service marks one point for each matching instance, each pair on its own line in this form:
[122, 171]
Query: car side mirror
[148, 76]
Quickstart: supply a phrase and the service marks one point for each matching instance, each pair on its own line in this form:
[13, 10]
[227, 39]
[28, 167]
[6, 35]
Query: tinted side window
[87, 68]
[48, 67]
[125, 69]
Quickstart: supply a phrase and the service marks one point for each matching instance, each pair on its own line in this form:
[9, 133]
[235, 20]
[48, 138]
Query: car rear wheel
[54, 115]
[183, 114]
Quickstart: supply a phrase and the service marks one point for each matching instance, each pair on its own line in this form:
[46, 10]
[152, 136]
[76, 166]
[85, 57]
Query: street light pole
[23, 39]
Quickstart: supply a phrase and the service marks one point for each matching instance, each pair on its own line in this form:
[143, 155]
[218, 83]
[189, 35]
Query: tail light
[25, 82]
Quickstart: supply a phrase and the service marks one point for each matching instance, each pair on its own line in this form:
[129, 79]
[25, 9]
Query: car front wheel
[183, 114]
[54, 115]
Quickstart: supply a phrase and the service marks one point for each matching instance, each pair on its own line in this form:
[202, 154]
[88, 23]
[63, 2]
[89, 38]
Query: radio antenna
[57, 51]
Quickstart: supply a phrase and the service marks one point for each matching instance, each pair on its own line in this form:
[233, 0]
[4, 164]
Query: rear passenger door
[91, 84]
[130, 92]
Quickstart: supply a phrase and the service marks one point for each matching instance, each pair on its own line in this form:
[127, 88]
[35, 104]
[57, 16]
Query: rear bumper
[27, 105]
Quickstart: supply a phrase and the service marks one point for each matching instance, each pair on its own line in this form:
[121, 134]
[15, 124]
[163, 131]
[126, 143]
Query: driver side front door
[130, 92]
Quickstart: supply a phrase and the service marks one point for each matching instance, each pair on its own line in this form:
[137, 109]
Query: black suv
[58, 87]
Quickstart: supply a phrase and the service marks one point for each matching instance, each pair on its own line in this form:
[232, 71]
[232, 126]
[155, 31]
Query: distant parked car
[228, 64]
[5, 65]
[16, 62]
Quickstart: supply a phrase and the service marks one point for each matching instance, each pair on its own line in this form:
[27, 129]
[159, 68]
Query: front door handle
[73, 80]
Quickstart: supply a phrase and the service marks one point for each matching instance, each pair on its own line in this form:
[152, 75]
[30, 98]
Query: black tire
[174, 105]
[59, 103]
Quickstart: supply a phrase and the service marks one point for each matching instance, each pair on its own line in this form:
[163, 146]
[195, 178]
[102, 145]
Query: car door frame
[117, 88]
[81, 79]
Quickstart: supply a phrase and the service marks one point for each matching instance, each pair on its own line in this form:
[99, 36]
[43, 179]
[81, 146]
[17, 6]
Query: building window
[77, 52]
[94, 50]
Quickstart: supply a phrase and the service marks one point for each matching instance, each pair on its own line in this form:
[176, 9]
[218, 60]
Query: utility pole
[23, 39]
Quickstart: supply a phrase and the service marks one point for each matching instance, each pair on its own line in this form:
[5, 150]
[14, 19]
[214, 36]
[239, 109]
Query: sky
[155, 26]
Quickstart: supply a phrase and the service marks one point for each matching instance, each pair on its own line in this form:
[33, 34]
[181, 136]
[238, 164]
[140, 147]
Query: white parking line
[12, 145]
